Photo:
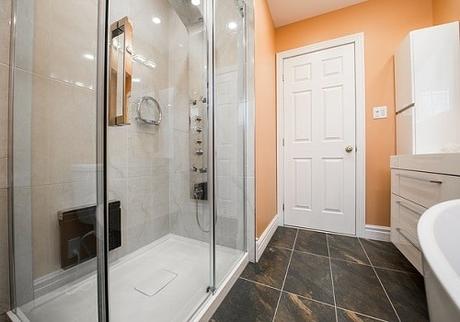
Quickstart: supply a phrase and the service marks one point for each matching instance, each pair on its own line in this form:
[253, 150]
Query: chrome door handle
[349, 149]
[121, 43]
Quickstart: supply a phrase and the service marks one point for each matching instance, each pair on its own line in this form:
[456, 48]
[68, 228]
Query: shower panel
[198, 148]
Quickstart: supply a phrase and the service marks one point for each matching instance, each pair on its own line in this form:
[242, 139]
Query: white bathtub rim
[439, 264]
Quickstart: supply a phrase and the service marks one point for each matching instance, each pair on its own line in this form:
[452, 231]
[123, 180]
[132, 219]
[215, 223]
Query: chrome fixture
[142, 103]
[199, 170]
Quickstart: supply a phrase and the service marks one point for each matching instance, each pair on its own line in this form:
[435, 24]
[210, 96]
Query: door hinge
[283, 141]
[282, 76]
[283, 206]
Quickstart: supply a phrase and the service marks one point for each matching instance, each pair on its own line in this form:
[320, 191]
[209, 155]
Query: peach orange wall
[384, 23]
[265, 129]
[445, 11]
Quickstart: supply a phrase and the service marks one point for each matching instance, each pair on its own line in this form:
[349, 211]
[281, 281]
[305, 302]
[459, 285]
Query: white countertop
[446, 163]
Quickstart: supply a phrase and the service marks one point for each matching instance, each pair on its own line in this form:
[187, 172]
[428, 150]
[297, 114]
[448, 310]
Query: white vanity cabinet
[417, 183]
[427, 95]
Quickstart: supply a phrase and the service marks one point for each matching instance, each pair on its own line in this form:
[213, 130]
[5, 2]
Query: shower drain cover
[155, 282]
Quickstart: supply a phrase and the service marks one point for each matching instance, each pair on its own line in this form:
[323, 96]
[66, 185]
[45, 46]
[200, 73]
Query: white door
[319, 140]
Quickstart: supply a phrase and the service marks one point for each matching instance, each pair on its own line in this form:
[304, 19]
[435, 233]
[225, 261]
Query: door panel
[319, 123]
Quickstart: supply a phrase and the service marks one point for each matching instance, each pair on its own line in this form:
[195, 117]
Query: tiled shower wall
[187, 52]
[229, 130]
[5, 14]
[57, 156]
[139, 154]
[55, 119]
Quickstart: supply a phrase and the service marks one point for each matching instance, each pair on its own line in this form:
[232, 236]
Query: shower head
[189, 14]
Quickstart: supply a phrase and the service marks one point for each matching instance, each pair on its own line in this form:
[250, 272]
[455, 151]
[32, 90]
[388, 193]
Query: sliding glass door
[52, 160]
[157, 160]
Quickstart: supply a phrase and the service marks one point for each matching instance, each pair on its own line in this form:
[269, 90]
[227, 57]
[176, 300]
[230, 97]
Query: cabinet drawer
[413, 254]
[425, 189]
[404, 218]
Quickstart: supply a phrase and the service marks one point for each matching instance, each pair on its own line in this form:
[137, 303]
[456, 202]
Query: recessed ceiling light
[136, 80]
[88, 56]
[196, 2]
[156, 20]
[232, 25]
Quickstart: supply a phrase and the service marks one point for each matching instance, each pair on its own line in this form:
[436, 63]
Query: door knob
[349, 149]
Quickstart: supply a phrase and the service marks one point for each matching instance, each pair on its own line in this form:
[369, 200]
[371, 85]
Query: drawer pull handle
[420, 179]
[407, 238]
[408, 208]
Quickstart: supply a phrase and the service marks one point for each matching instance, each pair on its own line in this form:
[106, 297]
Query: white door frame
[360, 193]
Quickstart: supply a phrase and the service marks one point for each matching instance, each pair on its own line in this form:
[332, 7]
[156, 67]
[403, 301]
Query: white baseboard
[377, 232]
[264, 239]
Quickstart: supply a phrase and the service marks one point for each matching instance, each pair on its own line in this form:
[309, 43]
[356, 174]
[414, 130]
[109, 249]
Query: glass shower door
[157, 155]
[229, 134]
[52, 160]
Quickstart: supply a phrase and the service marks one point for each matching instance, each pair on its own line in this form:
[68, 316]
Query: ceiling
[288, 11]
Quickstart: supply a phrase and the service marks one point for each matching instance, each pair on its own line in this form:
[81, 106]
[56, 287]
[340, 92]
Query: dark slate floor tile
[358, 289]
[293, 308]
[386, 255]
[270, 269]
[346, 248]
[247, 302]
[348, 316]
[309, 276]
[407, 292]
[311, 242]
[284, 237]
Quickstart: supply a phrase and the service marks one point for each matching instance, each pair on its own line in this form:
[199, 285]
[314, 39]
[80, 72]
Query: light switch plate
[380, 112]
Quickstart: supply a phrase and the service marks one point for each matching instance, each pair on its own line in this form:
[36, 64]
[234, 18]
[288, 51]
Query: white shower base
[187, 258]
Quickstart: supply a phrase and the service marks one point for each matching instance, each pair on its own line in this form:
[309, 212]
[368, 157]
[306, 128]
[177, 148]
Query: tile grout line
[380, 281]
[363, 314]
[295, 294]
[347, 261]
[285, 275]
[309, 299]
[332, 277]
[259, 283]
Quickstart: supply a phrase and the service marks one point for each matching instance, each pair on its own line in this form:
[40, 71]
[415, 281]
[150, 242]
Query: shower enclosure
[128, 154]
